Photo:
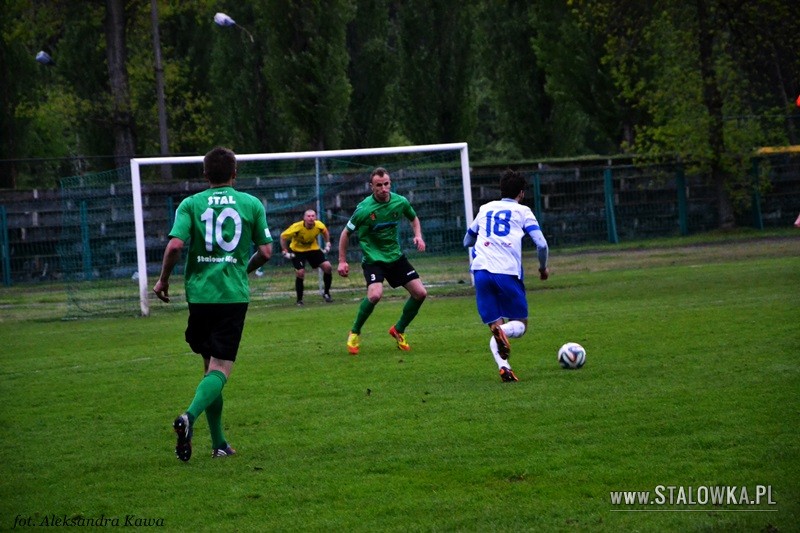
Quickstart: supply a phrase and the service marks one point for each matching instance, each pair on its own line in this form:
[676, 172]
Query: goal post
[425, 181]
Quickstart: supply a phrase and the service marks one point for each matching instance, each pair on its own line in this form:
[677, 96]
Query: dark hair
[219, 165]
[380, 172]
[511, 183]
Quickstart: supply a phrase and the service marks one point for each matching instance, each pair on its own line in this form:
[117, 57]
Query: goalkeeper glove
[327, 247]
[287, 254]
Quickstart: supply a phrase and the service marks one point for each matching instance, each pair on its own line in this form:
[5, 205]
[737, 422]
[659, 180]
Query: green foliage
[36, 116]
[53, 123]
[671, 95]
[654, 56]
[516, 80]
[584, 118]
[81, 59]
[372, 72]
[234, 70]
[307, 68]
[437, 57]
[698, 394]
[511, 93]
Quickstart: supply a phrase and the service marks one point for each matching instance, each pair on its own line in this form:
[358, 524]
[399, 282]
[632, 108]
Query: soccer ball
[571, 356]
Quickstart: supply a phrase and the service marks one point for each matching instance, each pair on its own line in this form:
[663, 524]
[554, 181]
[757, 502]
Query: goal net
[116, 224]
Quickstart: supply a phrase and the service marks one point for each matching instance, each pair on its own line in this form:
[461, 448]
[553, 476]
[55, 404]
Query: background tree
[543, 91]
[372, 70]
[764, 43]
[60, 110]
[585, 117]
[306, 69]
[116, 54]
[704, 82]
[514, 108]
[674, 64]
[18, 93]
[185, 31]
[242, 113]
[435, 81]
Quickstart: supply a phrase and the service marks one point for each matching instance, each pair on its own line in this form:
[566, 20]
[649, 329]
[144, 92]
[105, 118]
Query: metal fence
[575, 204]
[584, 204]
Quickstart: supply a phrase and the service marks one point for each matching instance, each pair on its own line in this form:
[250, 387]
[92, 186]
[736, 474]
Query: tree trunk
[712, 99]
[163, 136]
[121, 117]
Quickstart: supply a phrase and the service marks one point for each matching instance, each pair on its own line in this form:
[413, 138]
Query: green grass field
[690, 383]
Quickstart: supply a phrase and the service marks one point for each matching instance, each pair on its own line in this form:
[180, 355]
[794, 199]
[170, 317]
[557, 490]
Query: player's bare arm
[172, 254]
[343, 268]
[260, 257]
[327, 236]
[418, 241]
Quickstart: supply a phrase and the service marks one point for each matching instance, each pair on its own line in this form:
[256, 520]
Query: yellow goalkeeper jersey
[303, 239]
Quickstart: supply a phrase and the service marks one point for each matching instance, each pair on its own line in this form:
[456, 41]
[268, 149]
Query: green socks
[364, 310]
[214, 417]
[208, 390]
[410, 310]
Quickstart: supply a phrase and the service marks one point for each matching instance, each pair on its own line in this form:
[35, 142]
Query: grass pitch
[690, 383]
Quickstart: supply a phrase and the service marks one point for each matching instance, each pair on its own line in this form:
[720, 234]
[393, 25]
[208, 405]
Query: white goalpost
[137, 164]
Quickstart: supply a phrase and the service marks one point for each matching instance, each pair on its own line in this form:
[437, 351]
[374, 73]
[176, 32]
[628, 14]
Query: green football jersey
[378, 227]
[219, 224]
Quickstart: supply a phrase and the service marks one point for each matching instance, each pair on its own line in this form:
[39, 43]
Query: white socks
[499, 360]
[513, 329]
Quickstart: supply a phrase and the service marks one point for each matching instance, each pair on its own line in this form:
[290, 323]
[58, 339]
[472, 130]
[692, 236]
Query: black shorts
[215, 330]
[397, 273]
[314, 257]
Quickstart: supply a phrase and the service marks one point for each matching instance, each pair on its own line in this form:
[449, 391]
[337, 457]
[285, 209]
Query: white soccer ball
[571, 356]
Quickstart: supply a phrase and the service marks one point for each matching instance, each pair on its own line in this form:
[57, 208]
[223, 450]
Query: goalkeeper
[299, 243]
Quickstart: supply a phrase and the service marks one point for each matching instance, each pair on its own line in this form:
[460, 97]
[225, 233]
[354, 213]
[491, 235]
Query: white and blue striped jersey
[496, 237]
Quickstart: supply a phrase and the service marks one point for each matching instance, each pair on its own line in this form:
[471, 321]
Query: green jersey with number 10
[219, 224]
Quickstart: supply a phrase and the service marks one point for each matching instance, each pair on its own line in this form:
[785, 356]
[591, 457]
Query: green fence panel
[683, 205]
[758, 220]
[537, 196]
[611, 220]
[6, 248]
